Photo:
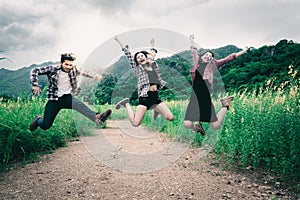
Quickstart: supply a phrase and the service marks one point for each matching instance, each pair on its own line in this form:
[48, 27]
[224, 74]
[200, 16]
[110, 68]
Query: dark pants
[67, 101]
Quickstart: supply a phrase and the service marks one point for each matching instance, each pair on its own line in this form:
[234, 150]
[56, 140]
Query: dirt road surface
[122, 162]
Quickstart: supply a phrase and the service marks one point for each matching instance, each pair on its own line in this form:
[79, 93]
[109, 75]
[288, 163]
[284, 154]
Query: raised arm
[231, 57]
[119, 42]
[152, 52]
[88, 74]
[127, 52]
[152, 42]
[194, 51]
[194, 56]
[242, 52]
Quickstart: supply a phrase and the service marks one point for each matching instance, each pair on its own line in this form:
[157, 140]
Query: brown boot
[102, 117]
[34, 124]
[226, 102]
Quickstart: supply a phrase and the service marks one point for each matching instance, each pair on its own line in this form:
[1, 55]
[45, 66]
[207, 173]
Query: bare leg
[137, 117]
[197, 127]
[221, 114]
[155, 114]
[189, 125]
[164, 111]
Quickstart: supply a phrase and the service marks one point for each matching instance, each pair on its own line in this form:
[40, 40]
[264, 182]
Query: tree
[104, 90]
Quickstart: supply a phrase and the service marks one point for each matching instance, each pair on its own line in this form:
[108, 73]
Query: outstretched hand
[118, 41]
[242, 52]
[98, 77]
[152, 42]
[77, 91]
[36, 90]
[192, 37]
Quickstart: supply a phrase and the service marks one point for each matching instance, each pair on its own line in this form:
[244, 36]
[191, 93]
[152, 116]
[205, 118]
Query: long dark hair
[208, 51]
[135, 55]
[200, 55]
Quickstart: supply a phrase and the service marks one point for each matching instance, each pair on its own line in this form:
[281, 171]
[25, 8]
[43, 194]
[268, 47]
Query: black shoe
[199, 129]
[121, 103]
[102, 117]
[34, 123]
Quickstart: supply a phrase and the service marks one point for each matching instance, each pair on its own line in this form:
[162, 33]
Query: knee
[215, 125]
[170, 118]
[188, 124]
[135, 123]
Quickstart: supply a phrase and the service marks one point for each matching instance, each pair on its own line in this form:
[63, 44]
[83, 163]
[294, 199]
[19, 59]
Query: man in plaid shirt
[62, 83]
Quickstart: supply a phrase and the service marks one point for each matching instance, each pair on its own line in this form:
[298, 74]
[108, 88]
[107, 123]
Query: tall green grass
[17, 142]
[263, 130]
[260, 130]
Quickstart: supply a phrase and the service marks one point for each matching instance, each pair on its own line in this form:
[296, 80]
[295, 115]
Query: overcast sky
[36, 31]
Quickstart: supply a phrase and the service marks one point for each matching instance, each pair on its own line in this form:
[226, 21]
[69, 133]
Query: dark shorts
[151, 101]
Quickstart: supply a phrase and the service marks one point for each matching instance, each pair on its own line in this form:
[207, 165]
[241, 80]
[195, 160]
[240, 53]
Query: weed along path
[122, 162]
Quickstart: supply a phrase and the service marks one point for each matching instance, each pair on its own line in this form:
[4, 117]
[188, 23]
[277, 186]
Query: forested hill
[259, 65]
[14, 83]
[251, 70]
[248, 71]
[181, 61]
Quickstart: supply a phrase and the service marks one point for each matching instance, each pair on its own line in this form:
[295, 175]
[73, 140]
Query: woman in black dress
[200, 108]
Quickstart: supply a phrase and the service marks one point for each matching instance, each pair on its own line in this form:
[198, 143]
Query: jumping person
[62, 83]
[200, 107]
[149, 83]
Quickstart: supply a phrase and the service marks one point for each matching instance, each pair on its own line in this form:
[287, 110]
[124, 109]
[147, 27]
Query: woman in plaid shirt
[62, 83]
[200, 108]
[149, 83]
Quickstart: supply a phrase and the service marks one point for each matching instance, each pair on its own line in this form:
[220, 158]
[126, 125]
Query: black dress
[200, 107]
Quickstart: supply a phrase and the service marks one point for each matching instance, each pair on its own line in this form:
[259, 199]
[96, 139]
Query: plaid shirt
[52, 73]
[142, 76]
[210, 67]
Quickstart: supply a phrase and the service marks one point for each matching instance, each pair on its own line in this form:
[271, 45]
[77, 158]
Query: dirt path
[117, 165]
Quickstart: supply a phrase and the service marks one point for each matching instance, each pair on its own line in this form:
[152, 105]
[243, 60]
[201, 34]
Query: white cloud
[34, 31]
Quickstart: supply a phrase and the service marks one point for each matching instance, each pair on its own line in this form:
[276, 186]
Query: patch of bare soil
[77, 172]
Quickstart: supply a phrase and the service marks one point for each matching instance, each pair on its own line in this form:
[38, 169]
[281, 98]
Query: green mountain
[14, 83]
[249, 71]
[252, 70]
[276, 62]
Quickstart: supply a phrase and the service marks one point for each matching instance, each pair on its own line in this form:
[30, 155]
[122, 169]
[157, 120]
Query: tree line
[250, 71]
